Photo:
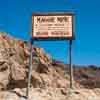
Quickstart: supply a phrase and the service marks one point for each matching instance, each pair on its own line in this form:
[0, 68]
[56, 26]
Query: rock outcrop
[50, 78]
[14, 61]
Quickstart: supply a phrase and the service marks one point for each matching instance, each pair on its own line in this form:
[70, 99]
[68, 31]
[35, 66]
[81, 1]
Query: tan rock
[18, 71]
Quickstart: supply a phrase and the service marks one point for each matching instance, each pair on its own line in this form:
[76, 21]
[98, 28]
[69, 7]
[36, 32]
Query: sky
[15, 19]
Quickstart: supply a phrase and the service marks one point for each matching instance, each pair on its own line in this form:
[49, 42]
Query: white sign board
[47, 26]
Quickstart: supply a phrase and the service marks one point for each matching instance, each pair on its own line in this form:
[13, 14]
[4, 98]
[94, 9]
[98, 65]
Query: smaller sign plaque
[52, 26]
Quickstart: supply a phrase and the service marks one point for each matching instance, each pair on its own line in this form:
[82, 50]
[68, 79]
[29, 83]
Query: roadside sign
[52, 26]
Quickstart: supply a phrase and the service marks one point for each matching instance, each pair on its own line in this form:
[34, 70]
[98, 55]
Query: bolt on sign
[53, 26]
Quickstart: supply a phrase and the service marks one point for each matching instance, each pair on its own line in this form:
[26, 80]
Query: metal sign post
[29, 71]
[71, 66]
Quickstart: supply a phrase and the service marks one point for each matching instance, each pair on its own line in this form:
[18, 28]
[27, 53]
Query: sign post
[59, 26]
[71, 66]
[29, 71]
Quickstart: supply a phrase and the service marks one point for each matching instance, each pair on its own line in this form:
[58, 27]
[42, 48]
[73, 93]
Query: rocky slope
[14, 64]
[88, 76]
[49, 79]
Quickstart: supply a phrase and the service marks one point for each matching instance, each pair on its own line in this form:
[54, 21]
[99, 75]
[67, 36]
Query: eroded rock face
[47, 76]
[4, 71]
[49, 79]
[14, 64]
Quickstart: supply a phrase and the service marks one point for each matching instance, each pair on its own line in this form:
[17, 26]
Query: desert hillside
[50, 78]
